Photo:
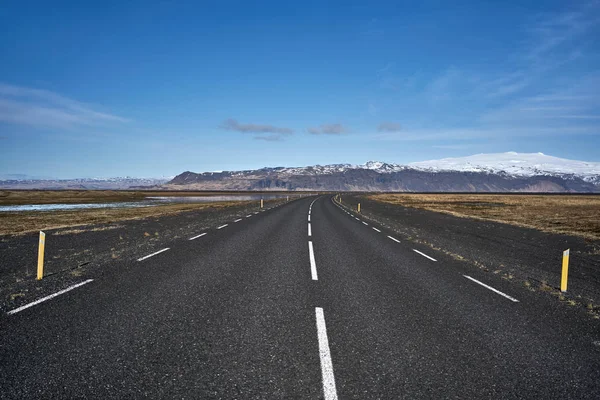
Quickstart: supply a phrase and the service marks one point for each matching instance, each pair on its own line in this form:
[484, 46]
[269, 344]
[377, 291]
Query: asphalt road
[267, 307]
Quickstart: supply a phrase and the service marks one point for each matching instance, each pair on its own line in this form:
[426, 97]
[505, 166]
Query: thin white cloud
[46, 109]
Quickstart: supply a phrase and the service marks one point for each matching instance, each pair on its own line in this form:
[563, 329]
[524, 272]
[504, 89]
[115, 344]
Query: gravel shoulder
[523, 256]
[80, 252]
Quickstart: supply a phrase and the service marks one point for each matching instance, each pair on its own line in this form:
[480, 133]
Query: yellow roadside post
[358, 207]
[565, 271]
[42, 245]
[261, 203]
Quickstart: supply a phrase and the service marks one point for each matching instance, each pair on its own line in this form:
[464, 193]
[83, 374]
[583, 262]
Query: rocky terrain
[505, 172]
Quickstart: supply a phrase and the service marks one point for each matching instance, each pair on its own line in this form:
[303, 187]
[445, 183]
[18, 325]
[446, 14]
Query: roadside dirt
[523, 255]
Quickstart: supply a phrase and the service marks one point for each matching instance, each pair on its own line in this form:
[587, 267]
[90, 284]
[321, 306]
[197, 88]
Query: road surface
[302, 301]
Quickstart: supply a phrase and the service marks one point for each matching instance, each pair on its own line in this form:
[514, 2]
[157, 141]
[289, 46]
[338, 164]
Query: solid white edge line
[222, 226]
[196, 237]
[313, 264]
[394, 239]
[424, 255]
[309, 230]
[375, 229]
[329, 390]
[153, 254]
[492, 289]
[237, 220]
[26, 306]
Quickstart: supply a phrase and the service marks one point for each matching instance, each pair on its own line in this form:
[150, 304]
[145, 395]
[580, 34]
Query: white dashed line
[153, 254]
[16, 310]
[222, 226]
[329, 390]
[365, 223]
[196, 237]
[424, 255]
[309, 230]
[237, 220]
[313, 264]
[492, 289]
[248, 216]
[356, 219]
[376, 230]
[308, 217]
[394, 239]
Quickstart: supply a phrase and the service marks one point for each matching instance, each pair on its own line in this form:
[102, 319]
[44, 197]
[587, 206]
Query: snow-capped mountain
[500, 172]
[515, 164]
[483, 172]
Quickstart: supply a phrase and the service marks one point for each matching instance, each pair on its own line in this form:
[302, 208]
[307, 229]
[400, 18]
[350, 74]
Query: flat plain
[577, 215]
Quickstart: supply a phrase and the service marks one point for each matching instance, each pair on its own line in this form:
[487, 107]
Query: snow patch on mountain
[515, 164]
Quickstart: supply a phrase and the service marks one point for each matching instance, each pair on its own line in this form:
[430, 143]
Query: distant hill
[82, 184]
[503, 172]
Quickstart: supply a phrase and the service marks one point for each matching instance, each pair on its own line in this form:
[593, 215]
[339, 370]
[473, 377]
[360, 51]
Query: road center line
[309, 230]
[237, 220]
[394, 239]
[196, 237]
[16, 310]
[313, 264]
[222, 226]
[424, 255]
[153, 254]
[329, 390]
[492, 289]
[377, 230]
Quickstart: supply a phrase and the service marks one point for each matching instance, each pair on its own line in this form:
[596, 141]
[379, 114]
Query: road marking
[256, 212]
[237, 220]
[424, 255]
[248, 216]
[313, 264]
[356, 219]
[365, 223]
[222, 226]
[16, 310]
[309, 230]
[377, 230]
[308, 217]
[329, 390]
[492, 289]
[153, 254]
[196, 237]
[394, 239]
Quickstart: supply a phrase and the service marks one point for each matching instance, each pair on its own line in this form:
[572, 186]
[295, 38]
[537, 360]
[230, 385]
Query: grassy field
[17, 197]
[568, 214]
[16, 223]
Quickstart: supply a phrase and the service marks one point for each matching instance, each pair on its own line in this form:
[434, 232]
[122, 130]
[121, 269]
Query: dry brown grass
[16, 197]
[568, 214]
[16, 223]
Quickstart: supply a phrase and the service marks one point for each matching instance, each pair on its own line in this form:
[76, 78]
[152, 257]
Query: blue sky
[156, 88]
